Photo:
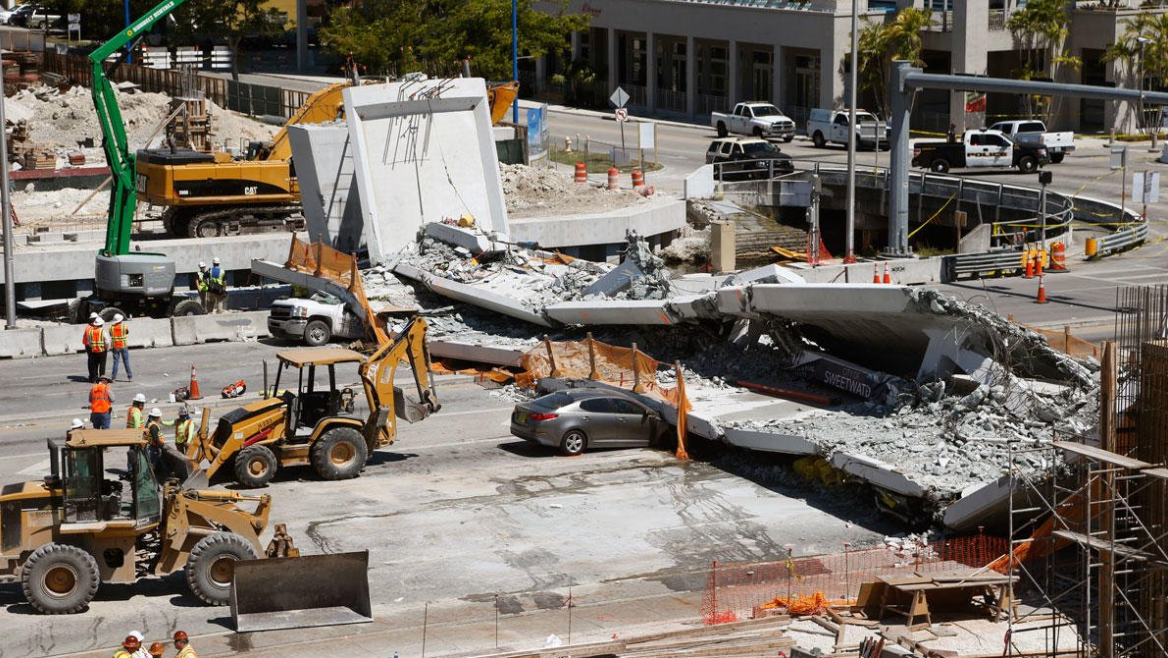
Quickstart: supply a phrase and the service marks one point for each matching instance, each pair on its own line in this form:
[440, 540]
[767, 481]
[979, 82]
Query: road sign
[645, 138]
[619, 97]
[1118, 156]
[1146, 186]
[622, 114]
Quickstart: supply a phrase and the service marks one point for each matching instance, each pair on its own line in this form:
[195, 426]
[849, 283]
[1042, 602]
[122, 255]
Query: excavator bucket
[301, 592]
[407, 409]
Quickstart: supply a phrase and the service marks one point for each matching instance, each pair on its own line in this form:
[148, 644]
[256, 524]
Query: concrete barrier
[20, 344]
[230, 326]
[182, 330]
[150, 333]
[63, 339]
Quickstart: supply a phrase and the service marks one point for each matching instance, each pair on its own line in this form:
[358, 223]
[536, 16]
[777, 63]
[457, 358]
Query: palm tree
[1143, 57]
[1040, 31]
[880, 43]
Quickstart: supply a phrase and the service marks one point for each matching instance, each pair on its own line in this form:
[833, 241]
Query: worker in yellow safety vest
[183, 644]
[216, 287]
[95, 348]
[135, 420]
[184, 429]
[152, 434]
[129, 646]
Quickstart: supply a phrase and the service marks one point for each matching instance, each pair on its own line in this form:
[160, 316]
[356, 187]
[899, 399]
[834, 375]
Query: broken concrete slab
[874, 471]
[471, 294]
[328, 191]
[423, 151]
[473, 241]
[652, 217]
[613, 312]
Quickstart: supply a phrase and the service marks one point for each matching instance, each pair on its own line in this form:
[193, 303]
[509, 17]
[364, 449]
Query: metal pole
[899, 160]
[515, 57]
[302, 35]
[9, 238]
[1042, 212]
[850, 225]
[129, 49]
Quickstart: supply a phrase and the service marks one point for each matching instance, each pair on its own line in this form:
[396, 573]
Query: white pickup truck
[315, 320]
[1033, 133]
[758, 119]
[831, 126]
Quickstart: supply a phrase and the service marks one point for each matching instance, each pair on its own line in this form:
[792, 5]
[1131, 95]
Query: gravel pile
[543, 192]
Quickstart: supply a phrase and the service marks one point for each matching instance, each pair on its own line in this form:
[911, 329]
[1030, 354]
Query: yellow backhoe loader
[316, 423]
[62, 537]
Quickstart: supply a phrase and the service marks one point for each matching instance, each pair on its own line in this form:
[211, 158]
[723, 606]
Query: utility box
[723, 246]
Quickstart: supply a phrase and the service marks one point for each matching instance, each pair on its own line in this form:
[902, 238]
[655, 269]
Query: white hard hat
[77, 424]
[138, 634]
[215, 260]
[140, 398]
[97, 322]
[118, 318]
[202, 265]
[155, 413]
[92, 315]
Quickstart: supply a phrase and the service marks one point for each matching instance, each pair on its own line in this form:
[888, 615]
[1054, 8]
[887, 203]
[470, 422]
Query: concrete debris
[692, 245]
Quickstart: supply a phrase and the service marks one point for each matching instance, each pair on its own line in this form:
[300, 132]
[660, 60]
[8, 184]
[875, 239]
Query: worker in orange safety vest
[119, 333]
[96, 348]
[101, 402]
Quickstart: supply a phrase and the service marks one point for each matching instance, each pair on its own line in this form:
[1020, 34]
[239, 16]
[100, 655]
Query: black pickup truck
[979, 148]
[740, 158]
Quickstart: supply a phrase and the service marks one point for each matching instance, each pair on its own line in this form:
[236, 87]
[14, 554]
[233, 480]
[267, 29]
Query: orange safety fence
[623, 367]
[320, 260]
[743, 590]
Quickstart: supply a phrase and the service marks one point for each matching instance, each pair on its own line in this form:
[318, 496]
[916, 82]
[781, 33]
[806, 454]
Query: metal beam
[906, 79]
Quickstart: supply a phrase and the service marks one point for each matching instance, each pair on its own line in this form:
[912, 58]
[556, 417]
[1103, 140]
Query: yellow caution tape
[926, 223]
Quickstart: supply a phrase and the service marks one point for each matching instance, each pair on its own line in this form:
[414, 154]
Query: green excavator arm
[115, 142]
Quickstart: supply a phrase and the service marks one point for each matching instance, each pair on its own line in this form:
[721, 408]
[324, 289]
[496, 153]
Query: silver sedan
[574, 420]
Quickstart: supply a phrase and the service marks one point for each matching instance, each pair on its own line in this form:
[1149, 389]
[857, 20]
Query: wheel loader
[313, 422]
[63, 537]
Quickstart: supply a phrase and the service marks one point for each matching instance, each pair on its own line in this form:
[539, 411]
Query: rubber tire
[1056, 158]
[255, 455]
[788, 139]
[203, 227]
[722, 132]
[317, 333]
[107, 314]
[818, 140]
[939, 166]
[323, 449]
[206, 554]
[187, 307]
[51, 556]
[574, 442]
[1028, 164]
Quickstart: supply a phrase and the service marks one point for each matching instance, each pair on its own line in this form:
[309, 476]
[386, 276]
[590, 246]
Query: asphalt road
[454, 512]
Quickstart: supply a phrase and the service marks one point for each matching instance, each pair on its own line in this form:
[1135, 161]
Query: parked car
[758, 119]
[20, 15]
[578, 419]
[1033, 133]
[831, 126]
[978, 148]
[740, 158]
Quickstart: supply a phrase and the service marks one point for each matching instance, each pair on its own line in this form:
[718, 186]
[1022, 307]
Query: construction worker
[184, 429]
[134, 420]
[157, 650]
[119, 334]
[101, 399]
[217, 287]
[183, 644]
[129, 646]
[141, 651]
[201, 284]
[77, 424]
[96, 348]
[152, 433]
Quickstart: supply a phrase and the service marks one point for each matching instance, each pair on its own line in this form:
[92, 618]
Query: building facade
[688, 58]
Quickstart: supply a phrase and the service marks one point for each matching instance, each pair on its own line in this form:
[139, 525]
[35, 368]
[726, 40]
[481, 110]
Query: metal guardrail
[1122, 240]
[1006, 262]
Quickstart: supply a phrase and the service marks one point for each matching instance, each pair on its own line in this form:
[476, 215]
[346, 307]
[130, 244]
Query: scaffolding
[1088, 535]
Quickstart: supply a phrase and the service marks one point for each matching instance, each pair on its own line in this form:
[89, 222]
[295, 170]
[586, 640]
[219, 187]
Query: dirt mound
[543, 192]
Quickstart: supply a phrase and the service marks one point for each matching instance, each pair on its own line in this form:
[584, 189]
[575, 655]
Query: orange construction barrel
[581, 173]
[1058, 256]
[1091, 248]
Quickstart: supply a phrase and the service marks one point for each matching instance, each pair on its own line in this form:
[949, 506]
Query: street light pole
[515, 57]
[129, 49]
[850, 224]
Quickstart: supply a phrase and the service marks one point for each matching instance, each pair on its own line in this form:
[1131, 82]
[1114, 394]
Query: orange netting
[622, 367]
[741, 591]
[815, 604]
[320, 260]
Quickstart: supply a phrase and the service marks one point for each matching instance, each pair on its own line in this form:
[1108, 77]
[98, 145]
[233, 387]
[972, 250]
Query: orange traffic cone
[1038, 258]
[1041, 292]
[887, 279]
[875, 273]
[1028, 263]
[194, 387]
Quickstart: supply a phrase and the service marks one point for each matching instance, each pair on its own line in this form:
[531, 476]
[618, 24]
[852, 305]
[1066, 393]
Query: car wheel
[1028, 164]
[757, 131]
[573, 443]
[940, 166]
[817, 140]
[722, 132]
[255, 466]
[211, 566]
[59, 579]
[317, 333]
[1057, 157]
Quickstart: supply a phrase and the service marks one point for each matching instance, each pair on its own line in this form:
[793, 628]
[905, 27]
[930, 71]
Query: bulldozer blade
[407, 409]
[301, 592]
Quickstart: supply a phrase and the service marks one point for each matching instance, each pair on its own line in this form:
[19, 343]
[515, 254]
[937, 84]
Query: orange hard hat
[180, 635]
[157, 649]
[131, 642]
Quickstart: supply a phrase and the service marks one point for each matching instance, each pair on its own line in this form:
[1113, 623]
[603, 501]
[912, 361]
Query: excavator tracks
[245, 220]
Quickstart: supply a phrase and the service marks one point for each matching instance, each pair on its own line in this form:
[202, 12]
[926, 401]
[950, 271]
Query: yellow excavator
[211, 194]
[313, 422]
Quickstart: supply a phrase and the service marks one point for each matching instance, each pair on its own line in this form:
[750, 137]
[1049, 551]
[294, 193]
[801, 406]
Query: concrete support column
[777, 76]
[898, 161]
[651, 73]
[613, 60]
[691, 76]
[732, 75]
[971, 20]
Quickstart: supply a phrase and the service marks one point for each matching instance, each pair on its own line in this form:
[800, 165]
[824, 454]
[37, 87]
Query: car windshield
[324, 298]
[553, 401]
[766, 111]
[752, 148]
